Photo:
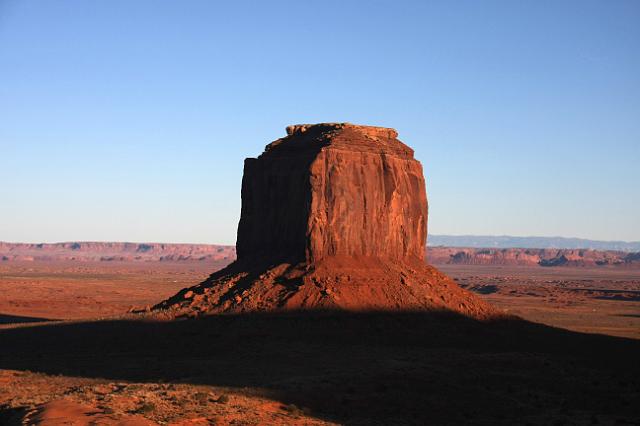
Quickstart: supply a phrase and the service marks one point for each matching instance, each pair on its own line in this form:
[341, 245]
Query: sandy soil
[592, 300]
[81, 290]
[301, 368]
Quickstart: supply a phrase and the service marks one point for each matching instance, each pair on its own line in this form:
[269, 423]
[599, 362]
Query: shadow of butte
[16, 319]
[389, 367]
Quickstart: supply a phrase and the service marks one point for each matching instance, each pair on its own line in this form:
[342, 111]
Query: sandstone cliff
[87, 251]
[332, 190]
[334, 216]
[533, 257]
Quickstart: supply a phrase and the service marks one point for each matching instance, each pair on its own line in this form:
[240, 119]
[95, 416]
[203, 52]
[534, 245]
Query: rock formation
[89, 251]
[334, 216]
[221, 255]
[333, 190]
[533, 257]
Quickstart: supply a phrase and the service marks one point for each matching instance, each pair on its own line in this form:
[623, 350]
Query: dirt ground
[590, 300]
[99, 367]
[82, 290]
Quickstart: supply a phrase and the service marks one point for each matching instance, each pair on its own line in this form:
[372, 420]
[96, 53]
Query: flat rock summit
[334, 216]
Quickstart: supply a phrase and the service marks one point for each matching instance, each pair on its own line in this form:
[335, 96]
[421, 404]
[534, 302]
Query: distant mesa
[506, 241]
[334, 216]
[219, 256]
[88, 251]
[533, 257]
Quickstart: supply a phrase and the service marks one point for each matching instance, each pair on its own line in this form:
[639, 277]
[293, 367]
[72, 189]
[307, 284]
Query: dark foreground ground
[320, 368]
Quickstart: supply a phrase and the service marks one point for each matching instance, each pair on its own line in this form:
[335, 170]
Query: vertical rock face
[333, 190]
[334, 216]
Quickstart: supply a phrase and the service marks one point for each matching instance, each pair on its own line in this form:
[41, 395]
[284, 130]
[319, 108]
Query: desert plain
[70, 350]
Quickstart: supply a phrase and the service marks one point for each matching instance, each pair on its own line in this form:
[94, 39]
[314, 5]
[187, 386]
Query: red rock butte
[333, 190]
[334, 216]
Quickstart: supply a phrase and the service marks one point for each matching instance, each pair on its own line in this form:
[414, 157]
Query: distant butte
[334, 216]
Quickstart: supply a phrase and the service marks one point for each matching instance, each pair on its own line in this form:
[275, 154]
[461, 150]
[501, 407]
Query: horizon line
[233, 244]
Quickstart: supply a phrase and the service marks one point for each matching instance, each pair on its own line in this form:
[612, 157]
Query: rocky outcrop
[532, 257]
[113, 251]
[334, 216]
[333, 190]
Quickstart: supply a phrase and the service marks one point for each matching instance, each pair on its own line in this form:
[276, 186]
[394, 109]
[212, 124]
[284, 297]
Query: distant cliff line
[506, 241]
[116, 251]
[532, 257]
[223, 254]
[434, 240]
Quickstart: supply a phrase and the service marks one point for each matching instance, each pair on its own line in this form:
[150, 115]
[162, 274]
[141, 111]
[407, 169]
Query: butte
[334, 217]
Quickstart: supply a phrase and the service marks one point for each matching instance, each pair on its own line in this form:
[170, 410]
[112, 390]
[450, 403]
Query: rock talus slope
[334, 216]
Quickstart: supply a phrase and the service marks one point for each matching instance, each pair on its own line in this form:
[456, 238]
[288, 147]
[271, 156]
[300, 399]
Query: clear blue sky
[130, 120]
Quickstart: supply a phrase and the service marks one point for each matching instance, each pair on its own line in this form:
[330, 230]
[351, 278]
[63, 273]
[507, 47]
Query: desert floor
[68, 352]
[591, 300]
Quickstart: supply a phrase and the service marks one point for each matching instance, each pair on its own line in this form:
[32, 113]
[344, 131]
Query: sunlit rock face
[333, 189]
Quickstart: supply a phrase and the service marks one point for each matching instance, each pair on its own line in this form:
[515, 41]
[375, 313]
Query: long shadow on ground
[359, 368]
[14, 319]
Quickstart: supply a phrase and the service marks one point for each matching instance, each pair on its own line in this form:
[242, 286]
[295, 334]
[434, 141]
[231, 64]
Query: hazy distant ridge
[505, 241]
[115, 251]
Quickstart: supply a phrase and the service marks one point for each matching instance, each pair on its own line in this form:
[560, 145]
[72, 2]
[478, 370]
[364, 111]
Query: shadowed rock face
[333, 190]
[334, 216]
